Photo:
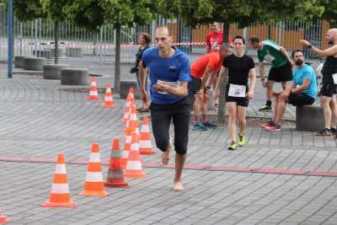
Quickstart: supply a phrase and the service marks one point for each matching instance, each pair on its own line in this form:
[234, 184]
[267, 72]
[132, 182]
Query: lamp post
[10, 34]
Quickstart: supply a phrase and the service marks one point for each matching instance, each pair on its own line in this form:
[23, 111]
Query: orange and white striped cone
[108, 100]
[133, 119]
[127, 147]
[93, 92]
[3, 219]
[115, 172]
[131, 94]
[134, 168]
[59, 195]
[126, 112]
[94, 184]
[146, 147]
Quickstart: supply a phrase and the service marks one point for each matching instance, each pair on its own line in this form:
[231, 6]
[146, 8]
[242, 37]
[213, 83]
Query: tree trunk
[222, 99]
[56, 40]
[117, 58]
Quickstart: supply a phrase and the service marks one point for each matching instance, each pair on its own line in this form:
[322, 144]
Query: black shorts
[162, 115]
[300, 100]
[328, 90]
[281, 74]
[239, 101]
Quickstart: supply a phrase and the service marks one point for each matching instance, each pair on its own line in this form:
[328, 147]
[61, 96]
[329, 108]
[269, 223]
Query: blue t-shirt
[306, 72]
[173, 69]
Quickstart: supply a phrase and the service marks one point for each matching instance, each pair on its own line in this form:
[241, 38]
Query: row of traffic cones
[122, 164]
[93, 94]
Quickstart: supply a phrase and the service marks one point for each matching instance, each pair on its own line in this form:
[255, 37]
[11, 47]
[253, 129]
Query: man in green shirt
[281, 66]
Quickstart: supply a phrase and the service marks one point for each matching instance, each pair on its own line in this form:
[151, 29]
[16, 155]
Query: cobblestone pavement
[278, 178]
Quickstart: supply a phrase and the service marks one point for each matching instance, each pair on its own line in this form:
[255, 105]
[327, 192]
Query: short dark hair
[146, 37]
[254, 40]
[295, 51]
[240, 37]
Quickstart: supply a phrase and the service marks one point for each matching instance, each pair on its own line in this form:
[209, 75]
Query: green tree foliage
[330, 11]
[28, 9]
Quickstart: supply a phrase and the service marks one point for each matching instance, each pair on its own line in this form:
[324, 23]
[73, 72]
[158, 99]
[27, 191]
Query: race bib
[334, 76]
[168, 83]
[237, 90]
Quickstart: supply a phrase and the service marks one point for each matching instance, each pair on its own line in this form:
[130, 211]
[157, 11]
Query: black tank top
[329, 68]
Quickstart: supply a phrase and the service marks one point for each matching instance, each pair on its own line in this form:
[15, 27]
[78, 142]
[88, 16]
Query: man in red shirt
[214, 38]
[202, 70]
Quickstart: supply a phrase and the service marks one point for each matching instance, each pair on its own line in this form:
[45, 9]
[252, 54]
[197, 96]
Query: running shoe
[242, 141]
[209, 125]
[274, 128]
[268, 124]
[324, 132]
[232, 146]
[199, 127]
[265, 108]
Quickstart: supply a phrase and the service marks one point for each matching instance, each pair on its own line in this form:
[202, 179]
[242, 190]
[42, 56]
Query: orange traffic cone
[94, 184]
[115, 173]
[126, 112]
[127, 146]
[145, 139]
[108, 100]
[131, 94]
[134, 167]
[93, 92]
[133, 120]
[59, 195]
[3, 219]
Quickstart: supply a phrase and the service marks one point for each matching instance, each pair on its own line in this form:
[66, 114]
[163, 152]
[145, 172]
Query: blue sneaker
[199, 127]
[209, 125]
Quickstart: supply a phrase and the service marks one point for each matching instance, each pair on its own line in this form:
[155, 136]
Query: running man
[203, 70]
[281, 68]
[240, 68]
[169, 71]
[329, 82]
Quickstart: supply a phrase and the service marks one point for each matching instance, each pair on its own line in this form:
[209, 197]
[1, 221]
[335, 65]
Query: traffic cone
[126, 112]
[127, 146]
[94, 184]
[3, 219]
[108, 100]
[131, 94]
[59, 195]
[133, 119]
[93, 92]
[134, 167]
[145, 139]
[115, 172]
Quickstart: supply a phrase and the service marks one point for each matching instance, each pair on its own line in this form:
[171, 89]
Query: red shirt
[214, 40]
[211, 60]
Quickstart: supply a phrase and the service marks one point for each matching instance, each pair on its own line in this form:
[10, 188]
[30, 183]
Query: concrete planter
[19, 61]
[53, 71]
[309, 118]
[33, 63]
[74, 77]
[124, 88]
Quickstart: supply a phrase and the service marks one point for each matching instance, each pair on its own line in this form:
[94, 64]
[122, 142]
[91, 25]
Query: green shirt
[272, 50]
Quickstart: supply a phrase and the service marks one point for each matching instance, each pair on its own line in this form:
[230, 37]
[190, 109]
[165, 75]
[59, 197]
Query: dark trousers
[162, 115]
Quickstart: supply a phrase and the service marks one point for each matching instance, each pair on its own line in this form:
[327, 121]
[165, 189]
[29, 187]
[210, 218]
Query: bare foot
[165, 157]
[178, 186]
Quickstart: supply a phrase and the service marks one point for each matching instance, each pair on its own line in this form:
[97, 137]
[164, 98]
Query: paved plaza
[287, 178]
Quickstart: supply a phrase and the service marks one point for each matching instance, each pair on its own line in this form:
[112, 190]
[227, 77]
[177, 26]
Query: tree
[55, 10]
[330, 11]
[28, 9]
[93, 13]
